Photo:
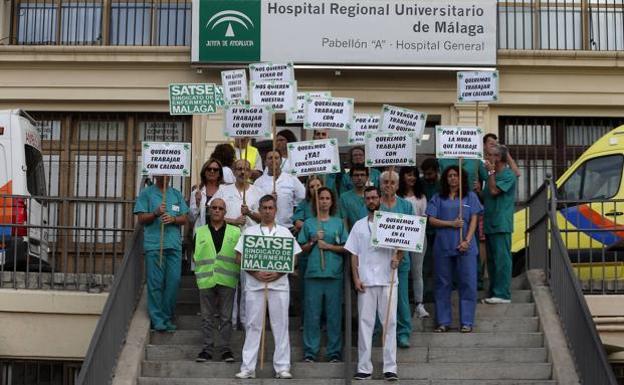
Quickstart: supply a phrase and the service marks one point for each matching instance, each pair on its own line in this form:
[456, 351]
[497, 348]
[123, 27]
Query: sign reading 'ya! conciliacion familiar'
[380, 32]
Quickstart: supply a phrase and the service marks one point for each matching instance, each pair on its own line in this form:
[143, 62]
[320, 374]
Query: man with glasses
[217, 274]
[244, 149]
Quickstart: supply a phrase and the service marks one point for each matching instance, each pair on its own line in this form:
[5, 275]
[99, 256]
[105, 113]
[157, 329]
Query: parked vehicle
[23, 212]
[590, 211]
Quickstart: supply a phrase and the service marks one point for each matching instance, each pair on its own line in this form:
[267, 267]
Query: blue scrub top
[147, 201]
[447, 238]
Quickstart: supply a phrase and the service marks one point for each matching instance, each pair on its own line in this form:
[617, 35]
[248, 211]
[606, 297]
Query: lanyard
[274, 231]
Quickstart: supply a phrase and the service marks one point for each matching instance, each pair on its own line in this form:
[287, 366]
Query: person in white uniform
[289, 190]
[278, 299]
[372, 269]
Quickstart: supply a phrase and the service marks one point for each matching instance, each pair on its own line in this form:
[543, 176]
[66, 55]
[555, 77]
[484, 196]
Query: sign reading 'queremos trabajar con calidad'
[381, 32]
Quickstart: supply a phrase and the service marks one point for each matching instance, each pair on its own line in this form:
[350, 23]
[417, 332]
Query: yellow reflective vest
[251, 154]
[212, 268]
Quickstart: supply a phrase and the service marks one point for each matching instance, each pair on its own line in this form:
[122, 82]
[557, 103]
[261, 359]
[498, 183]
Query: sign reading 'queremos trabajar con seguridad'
[379, 32]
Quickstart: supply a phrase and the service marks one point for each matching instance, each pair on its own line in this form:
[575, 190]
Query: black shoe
[389, 376]
[227, 357]
[308, 359]
[362, 376]
[203, 356]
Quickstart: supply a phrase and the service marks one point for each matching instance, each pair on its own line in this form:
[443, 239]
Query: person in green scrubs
[323, 278]
[352, 205]
[499, 196]
[474, 168]
[163, 279]
[356, 155]
[391, 202]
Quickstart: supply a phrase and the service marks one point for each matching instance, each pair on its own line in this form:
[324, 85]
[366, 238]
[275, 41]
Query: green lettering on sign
[229, 31]
[264, 253]
[192, 99]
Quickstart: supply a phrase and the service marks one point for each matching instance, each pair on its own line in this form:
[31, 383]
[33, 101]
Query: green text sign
[264, 253]
[192, 99]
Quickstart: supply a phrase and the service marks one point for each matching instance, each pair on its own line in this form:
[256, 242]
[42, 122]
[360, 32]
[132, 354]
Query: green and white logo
[229, 31]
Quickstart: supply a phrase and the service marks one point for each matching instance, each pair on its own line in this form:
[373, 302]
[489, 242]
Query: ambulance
[590, 212]
[23, 211]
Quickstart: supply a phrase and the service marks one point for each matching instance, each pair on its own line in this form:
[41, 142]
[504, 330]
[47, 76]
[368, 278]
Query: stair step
[335, 381]
[454, 371]
[412, 355]
[497, 339]
[191, 295]
[482, 311]
[517, 324]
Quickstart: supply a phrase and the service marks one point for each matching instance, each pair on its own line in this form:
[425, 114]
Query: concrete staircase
[506, 347]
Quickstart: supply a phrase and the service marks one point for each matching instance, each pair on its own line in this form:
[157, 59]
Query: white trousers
[278, 314]
[374, 301]
[238, 313]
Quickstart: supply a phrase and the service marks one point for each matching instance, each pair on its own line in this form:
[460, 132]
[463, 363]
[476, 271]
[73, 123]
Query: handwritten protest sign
[234, 86]
[477, 86]
[363, 123]
[328, 113]
[247, 121]
[397, 119]
[166, 158]
[390, 149]
[314, 157]
[296, 116]
[459, 142]
[398, 231]
[281, 72]
[281, 96]
[192, 99]
[265, 253]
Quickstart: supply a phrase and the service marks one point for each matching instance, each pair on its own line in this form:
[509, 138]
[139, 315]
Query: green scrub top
[303, 211]
[401, 206]
[335, 234]
[147, 201]
[469, 165]
[499, 210]
[431, 189]
[352, 207]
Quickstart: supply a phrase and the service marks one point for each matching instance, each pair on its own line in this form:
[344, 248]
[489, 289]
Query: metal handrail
[547, 251]
[110, 332]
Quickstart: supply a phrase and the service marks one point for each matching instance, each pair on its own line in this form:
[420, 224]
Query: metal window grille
[22, 372]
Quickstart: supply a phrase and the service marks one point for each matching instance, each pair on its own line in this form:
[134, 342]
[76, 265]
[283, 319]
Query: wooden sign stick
[389, 305]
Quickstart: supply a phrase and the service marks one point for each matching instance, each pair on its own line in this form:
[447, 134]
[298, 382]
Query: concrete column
[207, 133]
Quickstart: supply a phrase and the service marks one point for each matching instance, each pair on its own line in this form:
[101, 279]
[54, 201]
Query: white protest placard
[477, 86]
[314, 157]
[296, 116]
[398, 119]
[166, 158]
[247, 121]
[280, 96]
[363, 123]
[459, 142]
[280, 72]
[390, 149]
[398, 231]
[234, 86]
[328, 113]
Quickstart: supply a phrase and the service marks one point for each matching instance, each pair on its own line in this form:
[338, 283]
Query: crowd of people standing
[470, 221]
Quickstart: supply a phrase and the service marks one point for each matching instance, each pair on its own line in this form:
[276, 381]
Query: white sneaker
[245, 374]
[421, 312]
[285, 374]
[496, 300]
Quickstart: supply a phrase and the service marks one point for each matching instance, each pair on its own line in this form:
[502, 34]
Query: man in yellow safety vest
[217, 275]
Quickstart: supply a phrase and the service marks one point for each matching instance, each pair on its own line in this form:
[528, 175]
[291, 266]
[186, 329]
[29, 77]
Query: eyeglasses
[217, 208]
[213, 169]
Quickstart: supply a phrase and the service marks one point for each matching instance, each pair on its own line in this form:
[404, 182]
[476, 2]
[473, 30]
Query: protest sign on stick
[296, 116]
[314, 157]
[459, 142]
[280, 96]
[390, 149]
[398, 231]
[477, 86]
[192, 99]
[234, 84]
[281, 72]
[247, 121]
[268, 253]
[328, 113]
[397, 119]
[363, 123]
